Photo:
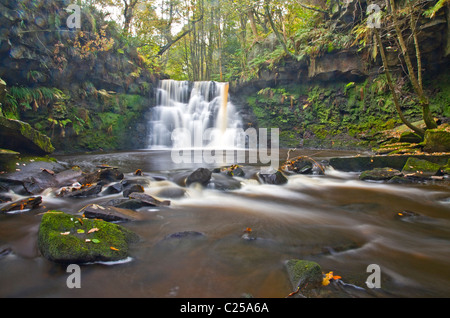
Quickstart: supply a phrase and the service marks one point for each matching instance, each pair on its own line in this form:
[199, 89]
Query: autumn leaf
[65, 233]
[328, 277]
[93, 230]
[80, 231]
[113, 248]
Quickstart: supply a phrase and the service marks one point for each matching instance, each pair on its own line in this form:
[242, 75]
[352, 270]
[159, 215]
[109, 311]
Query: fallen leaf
[93, 230]
[80, 231]
[95, 241]
[329, 276]
[65, 233]
[113, 248]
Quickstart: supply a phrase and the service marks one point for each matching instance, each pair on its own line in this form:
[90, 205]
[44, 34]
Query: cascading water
[186, 110]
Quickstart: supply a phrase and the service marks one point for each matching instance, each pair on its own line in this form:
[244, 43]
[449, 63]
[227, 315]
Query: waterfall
[186, 110]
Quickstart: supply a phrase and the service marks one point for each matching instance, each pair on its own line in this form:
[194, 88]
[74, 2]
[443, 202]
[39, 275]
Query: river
[336, 220]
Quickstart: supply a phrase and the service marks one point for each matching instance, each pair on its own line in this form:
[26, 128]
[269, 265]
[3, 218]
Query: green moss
[304, 273]
[420, 167]
[73, 248]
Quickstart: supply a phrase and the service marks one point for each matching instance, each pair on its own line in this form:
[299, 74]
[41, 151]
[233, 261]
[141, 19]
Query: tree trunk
[418, 130]
[423, 100]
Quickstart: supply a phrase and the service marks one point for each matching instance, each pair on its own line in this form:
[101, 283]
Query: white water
[191, 115]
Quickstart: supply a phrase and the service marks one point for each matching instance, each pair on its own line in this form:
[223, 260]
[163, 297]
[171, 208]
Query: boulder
[420, 168]
[21, 137]
[410, 137]
[380, 174]
[83, 191]
[148, 199]
[304, 274]
[70, 239]
[303, 165]
[437, 140]
[201, 176]
[110, 213]
[133, 188]
[272, 178]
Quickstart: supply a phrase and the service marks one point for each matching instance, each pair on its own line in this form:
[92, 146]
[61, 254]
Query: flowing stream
[336, 220]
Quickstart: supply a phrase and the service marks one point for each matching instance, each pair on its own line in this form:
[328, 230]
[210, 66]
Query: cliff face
[85, 88]
[338, 97]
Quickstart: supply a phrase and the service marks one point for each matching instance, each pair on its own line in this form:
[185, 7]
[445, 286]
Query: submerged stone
[66, 238]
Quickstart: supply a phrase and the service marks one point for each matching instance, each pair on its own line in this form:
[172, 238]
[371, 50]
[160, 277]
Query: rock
[23, 204]
[180, 240]
[437, 140]
[20, 136]
[114, 188]
[68, 177]
[110, 213]
[304, 274]
[65, 238]
[39, 182]
[420, 168]
[148, 199]
[410, 137]
[201, 176]
[362, 163]
[272, 178]
[303, 165]
[133, 188]
[170, 192]
[84, 191]
[380, 174]
[126, 204]
[103, 175]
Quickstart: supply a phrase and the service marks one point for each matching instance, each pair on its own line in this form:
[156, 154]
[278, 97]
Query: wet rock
[103, 175]
[303, 165]
[110, 213]
[272, 177]
[232, 171]
[223, 182]
[68, 239]
[183, 239]
[148, 199]
[126, 204]
[304, 274]
[84, 191]
[133, 188]
[170, 192]
[201, 176]
[420, 168]
[114, 188]
[23, 204]
[68, 177]
[39, 182]
[380, 174]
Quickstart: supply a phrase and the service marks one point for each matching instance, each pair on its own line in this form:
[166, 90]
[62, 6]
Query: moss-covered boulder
[420, 168]
[411, 137]
[20, 136]
[66, 238]
[379, 174]
[437, 140]
[304, 274]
